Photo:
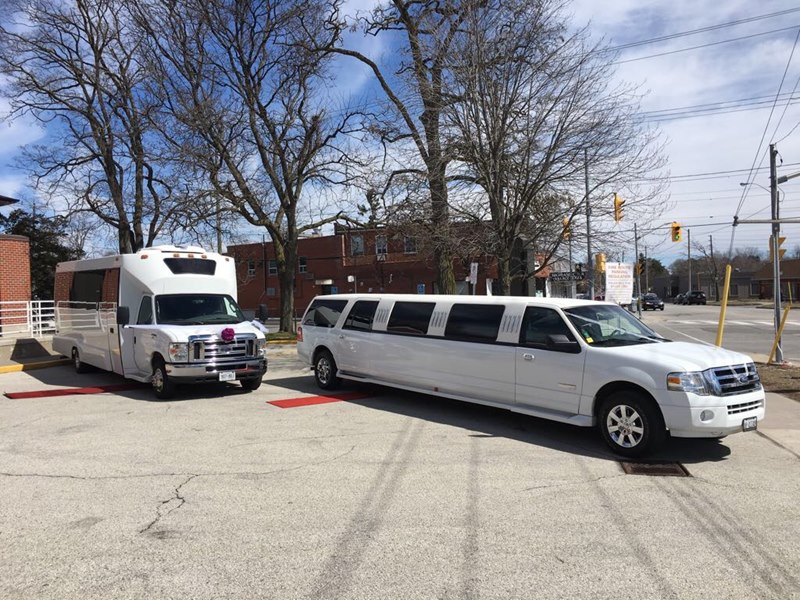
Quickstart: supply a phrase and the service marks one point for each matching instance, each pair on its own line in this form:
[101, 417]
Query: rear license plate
[749, 424]
[231, 376]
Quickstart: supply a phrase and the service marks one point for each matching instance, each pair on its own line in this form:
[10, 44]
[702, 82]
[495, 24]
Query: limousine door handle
[527, 356]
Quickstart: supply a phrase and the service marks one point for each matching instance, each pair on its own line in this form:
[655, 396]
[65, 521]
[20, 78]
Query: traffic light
[566, 232]
[618, 202]
[600, 262]
[781, 251]
[676, 232]
[639, 268]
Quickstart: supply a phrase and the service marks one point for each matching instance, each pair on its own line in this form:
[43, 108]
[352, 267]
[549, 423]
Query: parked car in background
[678, 299]
[695, 297]
[652, 302]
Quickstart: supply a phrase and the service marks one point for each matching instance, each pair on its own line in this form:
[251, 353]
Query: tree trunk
[445, 277]
[503, 275]
[285, 260]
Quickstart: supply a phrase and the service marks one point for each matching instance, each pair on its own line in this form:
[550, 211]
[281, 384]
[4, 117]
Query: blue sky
[708, 155]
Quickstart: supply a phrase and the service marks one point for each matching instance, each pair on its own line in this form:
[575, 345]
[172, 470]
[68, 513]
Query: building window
[381, 247]
[357, 245]
[270, 291]
[302, 264]
[273, 267]
[251, 268]
[409, 245]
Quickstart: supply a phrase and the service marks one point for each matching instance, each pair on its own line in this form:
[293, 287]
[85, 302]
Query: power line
[717, 43]
[673, 36]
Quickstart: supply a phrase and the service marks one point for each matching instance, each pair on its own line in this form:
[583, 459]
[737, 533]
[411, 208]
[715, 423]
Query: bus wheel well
[618, 386]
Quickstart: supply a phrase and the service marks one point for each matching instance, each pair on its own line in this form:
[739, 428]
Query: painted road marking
[312, 400]
[100, 389]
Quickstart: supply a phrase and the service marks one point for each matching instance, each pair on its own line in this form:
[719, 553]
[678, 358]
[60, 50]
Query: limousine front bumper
[695, 416]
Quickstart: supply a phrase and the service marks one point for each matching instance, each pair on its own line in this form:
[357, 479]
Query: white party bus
[166, 315]
[576, 361]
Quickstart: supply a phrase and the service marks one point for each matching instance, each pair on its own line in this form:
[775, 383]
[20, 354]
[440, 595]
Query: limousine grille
[209, 348]
[735, 379]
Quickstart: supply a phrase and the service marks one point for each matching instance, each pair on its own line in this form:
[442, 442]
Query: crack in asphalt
[180, 502]
[573, 483]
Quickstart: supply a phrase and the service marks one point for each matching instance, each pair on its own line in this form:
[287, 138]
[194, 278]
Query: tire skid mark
[740, 549]
[642, 550]
[336, 575]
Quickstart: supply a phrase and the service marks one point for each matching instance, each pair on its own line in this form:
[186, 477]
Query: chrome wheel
[325, 371]
[158, 380]
[625, 426]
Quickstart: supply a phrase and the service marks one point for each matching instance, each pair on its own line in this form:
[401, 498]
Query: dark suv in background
[695, 298]
[652, 302]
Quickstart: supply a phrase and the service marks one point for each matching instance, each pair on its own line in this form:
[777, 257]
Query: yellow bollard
[778, 335]
[723, 306]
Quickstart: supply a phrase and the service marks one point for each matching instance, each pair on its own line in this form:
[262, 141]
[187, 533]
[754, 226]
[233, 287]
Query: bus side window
[145, 311]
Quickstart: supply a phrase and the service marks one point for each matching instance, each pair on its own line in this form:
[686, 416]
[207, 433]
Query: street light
[352, 279]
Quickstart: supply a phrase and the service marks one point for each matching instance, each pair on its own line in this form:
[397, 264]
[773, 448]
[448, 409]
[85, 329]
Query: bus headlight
[179, 352]
[261, 348]
[693, 382]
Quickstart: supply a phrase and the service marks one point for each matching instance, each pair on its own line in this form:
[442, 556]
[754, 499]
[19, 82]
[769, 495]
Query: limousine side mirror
[561, 343]
[123, 315]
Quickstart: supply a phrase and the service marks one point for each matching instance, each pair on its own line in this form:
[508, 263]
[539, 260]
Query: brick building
[15, 272]
[367, 260]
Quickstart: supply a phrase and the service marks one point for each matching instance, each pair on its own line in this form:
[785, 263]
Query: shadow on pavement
[487, 422]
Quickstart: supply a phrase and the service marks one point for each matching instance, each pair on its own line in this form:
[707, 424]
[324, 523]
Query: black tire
[80, 366]
[163, 386]
[325, 371]
[252, 384]
[662, 308]
[631, 424]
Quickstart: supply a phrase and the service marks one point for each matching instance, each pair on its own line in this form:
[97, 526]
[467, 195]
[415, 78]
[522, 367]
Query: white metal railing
[32, 318]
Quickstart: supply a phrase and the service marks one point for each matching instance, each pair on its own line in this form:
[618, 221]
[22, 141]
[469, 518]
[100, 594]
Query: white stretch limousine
[576, 361]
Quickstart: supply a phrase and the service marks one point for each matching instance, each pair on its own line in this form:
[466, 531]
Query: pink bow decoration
[228, 334]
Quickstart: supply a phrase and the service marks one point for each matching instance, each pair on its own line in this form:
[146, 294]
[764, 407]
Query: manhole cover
[655, 469]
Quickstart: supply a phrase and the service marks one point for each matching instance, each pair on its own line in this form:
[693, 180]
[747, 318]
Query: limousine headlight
[693, 382]
[179, 352]
[261, 348]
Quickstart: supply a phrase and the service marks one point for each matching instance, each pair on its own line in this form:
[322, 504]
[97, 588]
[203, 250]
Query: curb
[34, 365]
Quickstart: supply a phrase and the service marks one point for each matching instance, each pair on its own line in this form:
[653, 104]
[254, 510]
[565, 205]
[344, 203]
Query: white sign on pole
[473, 273]
[619, 282]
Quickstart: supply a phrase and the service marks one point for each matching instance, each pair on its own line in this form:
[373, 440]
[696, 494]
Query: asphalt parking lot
[219, 494]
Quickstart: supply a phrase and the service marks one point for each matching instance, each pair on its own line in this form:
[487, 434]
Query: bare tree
[534, 105]
[241, 87]
[417, 86]
[74, 67]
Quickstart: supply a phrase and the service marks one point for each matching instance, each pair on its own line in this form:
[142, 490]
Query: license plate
[749, 424]
[231, 376]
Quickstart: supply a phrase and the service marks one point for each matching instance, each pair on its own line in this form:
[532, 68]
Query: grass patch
[281, 336]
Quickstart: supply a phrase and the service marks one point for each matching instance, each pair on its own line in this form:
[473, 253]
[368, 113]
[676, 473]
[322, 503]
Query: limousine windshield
[609, 325]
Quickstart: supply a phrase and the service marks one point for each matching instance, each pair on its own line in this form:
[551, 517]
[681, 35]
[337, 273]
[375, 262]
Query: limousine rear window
[474, 322]
[324, 313]
[410, 317]
[361, 315]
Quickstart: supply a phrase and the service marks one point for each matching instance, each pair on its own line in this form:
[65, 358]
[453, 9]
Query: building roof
[790, 269]
[5, 200]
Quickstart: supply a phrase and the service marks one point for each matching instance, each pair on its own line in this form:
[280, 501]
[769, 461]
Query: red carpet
[117, 387]
[311, 400]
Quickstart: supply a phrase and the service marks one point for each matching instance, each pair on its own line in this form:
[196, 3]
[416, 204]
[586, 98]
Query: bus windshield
[197, 309]
[608, 325]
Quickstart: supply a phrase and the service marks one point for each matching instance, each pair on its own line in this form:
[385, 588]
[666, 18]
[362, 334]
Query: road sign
[565, 276]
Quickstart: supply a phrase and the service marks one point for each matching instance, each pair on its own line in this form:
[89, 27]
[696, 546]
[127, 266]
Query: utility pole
[589, 257]
[776, 252]
[646, 271]
[689, 254]
[638, 277]
[713, 266]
